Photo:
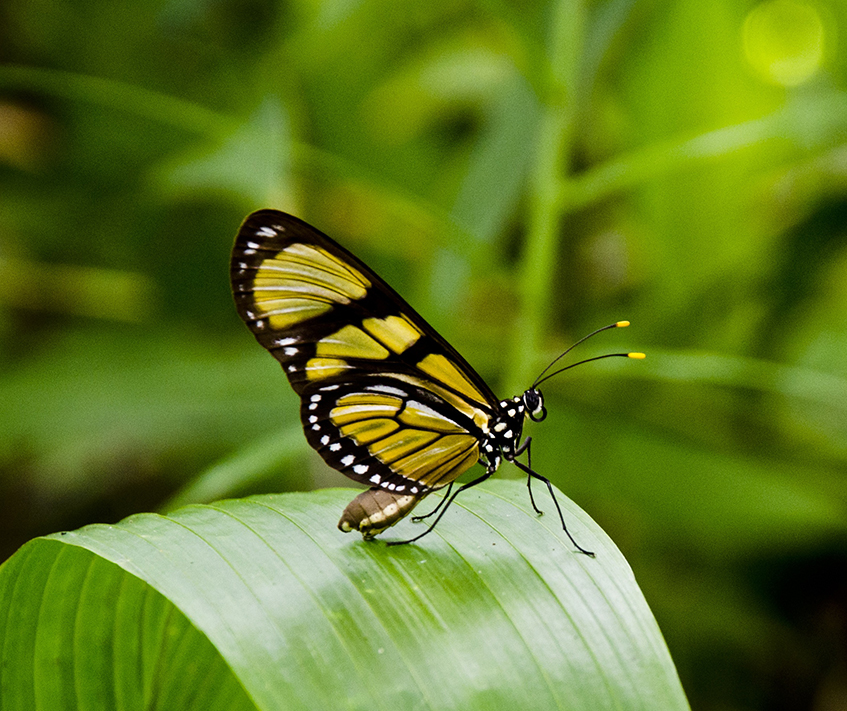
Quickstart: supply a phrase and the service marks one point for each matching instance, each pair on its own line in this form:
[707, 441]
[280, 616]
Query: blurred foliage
[523, 173]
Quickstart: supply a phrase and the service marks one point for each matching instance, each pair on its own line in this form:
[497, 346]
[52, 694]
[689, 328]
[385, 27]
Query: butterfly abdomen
[374, 510]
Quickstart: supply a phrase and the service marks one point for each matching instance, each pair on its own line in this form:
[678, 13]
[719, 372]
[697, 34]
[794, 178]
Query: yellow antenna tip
[636, 356]
[622, 324]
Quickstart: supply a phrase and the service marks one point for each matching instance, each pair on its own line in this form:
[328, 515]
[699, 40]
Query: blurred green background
[522, 172]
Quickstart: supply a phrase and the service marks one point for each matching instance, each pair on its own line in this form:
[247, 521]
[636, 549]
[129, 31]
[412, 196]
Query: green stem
[552, 162]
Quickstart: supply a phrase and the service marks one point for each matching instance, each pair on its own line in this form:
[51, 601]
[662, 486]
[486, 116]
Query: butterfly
[385, 399]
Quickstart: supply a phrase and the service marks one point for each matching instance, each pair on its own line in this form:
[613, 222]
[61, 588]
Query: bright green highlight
[785, 41]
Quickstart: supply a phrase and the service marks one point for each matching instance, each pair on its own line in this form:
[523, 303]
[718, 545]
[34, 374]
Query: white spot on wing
[266, 232]
[361, 468]
[375, 479]
[388, 389]
[348, 460]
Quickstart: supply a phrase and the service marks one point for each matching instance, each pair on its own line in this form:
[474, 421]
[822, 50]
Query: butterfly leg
[446, 506]
[520, 450]
[444, 498]
[535, 475]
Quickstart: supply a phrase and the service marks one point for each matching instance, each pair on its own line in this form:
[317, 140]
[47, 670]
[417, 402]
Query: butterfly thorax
[504, 436]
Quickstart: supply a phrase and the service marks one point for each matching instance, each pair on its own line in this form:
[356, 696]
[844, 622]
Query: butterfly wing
[384, 398]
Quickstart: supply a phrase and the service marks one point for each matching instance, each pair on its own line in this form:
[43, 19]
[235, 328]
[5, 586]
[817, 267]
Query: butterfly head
[533, 402]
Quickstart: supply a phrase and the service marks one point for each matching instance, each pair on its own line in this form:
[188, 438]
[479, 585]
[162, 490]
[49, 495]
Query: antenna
[619, 324]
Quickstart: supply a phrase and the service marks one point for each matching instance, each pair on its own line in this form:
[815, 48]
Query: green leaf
[251, 162]
[262, 603]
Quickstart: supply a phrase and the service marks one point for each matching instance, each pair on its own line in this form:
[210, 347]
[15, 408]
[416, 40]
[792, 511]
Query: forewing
[384, 398]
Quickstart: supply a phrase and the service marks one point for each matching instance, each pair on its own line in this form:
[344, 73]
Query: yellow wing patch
[450, 470]
[416, 414]
[479, 416]
[395, 332]
[350, 342]
[321, 368]
[401, 444]
[301, 282]
[445, 372]
[304, 258]
[411, 438]
[364, 432]
[440, 463]
[283, 311]
[364, 406]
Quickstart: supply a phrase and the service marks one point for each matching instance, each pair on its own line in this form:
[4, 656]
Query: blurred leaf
[96, 401]
[748, 373]
[670, 493]
[811, 122]
[252, 162]
[493, 611]
[728, 506]
[123, 96]
[499, 163]
[85, 291]
[459, 73]
[248, 467]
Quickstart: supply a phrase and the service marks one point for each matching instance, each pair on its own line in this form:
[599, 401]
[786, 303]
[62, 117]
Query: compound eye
[535, 405]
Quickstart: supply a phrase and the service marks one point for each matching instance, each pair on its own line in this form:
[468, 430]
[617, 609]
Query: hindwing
[384, 398]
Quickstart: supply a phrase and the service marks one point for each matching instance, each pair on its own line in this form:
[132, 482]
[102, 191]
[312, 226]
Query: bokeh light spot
[784, 41]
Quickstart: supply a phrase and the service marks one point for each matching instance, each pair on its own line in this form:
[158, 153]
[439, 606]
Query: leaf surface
[263, 603]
